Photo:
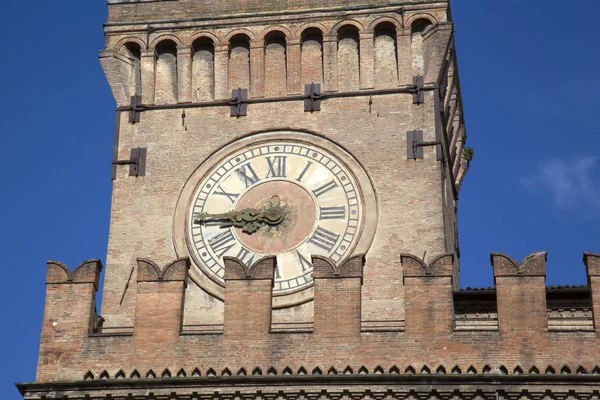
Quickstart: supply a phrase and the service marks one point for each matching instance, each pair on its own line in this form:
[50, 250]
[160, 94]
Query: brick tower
[283, 223]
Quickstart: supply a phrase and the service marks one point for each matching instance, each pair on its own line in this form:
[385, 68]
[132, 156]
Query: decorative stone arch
[276, 28]
[415, 17]
[161, 38]
[309, 25]
[203, 34]
[391, 20]
[126, 40]
[346, 22]
[242, 31]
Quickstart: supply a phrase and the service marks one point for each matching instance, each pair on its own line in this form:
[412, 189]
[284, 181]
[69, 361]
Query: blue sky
[531, 88]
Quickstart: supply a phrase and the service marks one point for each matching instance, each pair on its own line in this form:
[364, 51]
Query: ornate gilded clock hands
[249, 220]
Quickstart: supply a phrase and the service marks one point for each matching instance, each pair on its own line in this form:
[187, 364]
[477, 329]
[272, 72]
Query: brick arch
[126, 40]
[309, 25]
[276, 28]
[352, 22]
[160, 38]
[240, 31]
[393, 21]
[203, 34]
[415, 17]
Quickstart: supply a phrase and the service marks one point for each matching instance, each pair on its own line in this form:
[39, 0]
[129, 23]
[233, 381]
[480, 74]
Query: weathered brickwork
[389, 321]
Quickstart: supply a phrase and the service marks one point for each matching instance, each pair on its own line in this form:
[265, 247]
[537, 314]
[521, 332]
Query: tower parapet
[73, 348]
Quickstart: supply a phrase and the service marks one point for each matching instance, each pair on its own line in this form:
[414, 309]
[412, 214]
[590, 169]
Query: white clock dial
[319, 197]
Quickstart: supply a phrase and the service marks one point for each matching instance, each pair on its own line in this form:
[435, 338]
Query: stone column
[294, 65]
[403, 41]
[330, 73]
[147, 65]
[367, 71]
[184, 74]
[257, 68]
[222, 71]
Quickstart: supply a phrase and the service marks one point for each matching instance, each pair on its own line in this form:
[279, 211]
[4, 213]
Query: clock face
[316, 194]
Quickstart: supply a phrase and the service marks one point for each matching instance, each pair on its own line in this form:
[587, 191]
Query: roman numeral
[324, 239]
[231, 196]
[246, 172]
[277, 274]
[245, 256]
[325, 188]
[333, 212]
[304, 263]
[222, 243]
[308, 164]
[277, 167]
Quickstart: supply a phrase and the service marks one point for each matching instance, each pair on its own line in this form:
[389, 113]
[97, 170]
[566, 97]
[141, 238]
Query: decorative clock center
[299, 217]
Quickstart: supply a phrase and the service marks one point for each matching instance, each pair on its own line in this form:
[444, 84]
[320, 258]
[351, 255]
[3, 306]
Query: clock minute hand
[249, 219]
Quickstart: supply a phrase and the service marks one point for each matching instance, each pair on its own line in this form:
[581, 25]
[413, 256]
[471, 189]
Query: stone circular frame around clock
[328, 199]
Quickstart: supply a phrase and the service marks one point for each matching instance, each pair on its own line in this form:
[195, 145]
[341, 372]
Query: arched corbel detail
[396, 22]
[161, 38]
[415, 17]
[203, 34]
[335, 29]
[275, 28]
[130, 39]
[239, 31]
[299, 30]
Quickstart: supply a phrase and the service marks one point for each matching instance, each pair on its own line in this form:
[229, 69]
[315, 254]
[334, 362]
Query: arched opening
[203, 69]
[166, 72]
[418, 56]
[348, 58]
[134, 52]
[312, 56]
[386, 56]
[239, 62]
[275, 64]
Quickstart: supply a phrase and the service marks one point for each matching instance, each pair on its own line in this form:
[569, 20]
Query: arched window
[348, 58]
[134, 51]
[203, 70]
[239, 62]
[386, 56]
[312, 56]
[418, 57]
[166, 72]
[275, 64]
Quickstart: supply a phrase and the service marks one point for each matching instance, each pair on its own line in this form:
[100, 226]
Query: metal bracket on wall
[238, 102]
[136, 109]
[419, 95]
[137, 162]
[312, 97]
[415, 144]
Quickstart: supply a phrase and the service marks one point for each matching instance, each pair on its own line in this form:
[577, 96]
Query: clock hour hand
[248, 220]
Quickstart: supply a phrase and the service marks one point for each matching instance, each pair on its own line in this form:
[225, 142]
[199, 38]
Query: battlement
[518, 325]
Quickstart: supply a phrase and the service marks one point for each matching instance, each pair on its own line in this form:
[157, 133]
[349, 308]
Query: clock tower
[283, 221]
[350, 117]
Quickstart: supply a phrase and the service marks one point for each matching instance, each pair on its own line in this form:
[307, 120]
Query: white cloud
[572, 185]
